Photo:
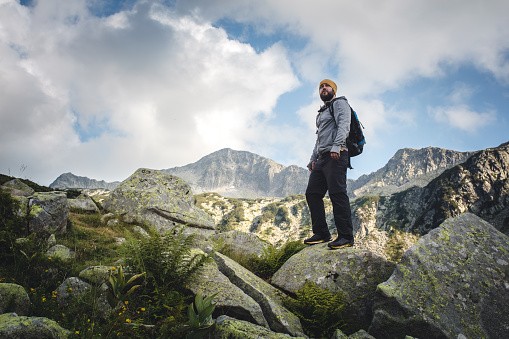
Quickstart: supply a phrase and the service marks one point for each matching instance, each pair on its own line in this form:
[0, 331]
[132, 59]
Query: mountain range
[71, 181]
[241, 174]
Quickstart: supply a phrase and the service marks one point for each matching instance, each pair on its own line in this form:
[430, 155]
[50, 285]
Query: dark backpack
[355, 140]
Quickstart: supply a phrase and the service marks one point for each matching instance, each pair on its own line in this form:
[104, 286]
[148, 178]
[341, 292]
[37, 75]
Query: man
[328, 166]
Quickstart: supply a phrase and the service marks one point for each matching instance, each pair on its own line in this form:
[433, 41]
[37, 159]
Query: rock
[96, 275]
[106, 217]
[104, 308]
[23, 206]
[14, 298]
[361, 335]
[139, 230]
[354, 272]
[84, 203]
[71, 288]
[48, 212]
[159, 199]
[242, 242]
[453, 283]
[52, 240]
[230, 300]
[13, 326]
[18, 188]
[268, 297]
[60, 252]
[119, 240]
[227, 327]
[113, 223]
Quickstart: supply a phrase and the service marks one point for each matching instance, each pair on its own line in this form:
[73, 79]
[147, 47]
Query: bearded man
[328, 166]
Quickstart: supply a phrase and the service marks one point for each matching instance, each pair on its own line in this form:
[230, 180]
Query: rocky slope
[71, 181]
[240, 174]
[386, 224]
[479, 185]
[408, 167]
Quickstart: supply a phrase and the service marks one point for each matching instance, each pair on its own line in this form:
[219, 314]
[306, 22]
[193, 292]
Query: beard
[327, 96]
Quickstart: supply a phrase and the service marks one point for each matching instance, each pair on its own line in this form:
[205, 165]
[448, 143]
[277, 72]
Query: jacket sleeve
[314, 155]
[343, 116]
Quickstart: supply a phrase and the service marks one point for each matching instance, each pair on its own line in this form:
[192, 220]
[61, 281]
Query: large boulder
[227, 327]
[83, 203]
[18, 188]
[60, 252]
[242, 242]
[354, 272]
[453, 283]
[96, 275]
[230, 299]
[71, 289]
[159, 199]
[14, 298]
[268, 297]
[13, 326]
[48, 212]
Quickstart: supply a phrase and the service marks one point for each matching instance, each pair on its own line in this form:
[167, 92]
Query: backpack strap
[330, 106]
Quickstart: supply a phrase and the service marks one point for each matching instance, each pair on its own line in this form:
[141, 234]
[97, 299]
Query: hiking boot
[340, 242]
[316, 239]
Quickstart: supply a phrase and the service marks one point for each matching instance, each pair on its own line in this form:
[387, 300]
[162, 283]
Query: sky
[101, 88]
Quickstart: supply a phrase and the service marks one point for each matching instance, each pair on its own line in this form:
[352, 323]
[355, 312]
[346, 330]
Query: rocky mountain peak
[72, 181]
[408, 167]
[241, 174]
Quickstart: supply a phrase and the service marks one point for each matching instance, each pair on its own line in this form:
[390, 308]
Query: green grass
[157, 309]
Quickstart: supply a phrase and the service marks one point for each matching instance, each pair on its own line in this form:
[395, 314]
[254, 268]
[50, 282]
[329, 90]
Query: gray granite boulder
[453, 283]
[18, 188]
[48, 212]
[13, 326]
[242, 242]
[96, 275]
[70, 289]
[14, 298]
[354, 272]
[227, 327]
[159, 199]
[60, 252]
[268, 297]
[83, 203]
[230, 299]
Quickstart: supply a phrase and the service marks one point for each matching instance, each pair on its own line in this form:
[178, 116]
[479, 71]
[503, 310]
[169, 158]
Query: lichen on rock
[158, 199]
[447, 284]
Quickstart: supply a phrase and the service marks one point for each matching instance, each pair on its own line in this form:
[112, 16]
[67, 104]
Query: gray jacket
[330, 136]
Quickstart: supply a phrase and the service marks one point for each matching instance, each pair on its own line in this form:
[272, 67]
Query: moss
[31, 327]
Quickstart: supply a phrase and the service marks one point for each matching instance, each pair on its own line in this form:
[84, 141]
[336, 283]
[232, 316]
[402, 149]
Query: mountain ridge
[242, 174]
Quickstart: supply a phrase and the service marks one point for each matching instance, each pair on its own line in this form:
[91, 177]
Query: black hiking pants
[330, 175]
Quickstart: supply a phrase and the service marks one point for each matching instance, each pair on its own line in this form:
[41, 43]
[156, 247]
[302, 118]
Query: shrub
[273, 258]
[320, 311]
[11, 225]
[169, 264]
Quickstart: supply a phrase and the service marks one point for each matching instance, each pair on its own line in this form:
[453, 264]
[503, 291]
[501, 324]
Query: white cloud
[458, 114]
[160, 88]
[378, 45]
[463, 118]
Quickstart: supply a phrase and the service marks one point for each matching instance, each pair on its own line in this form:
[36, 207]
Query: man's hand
[312, 165]
[334, 155]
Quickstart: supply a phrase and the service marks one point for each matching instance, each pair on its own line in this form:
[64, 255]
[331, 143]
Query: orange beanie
[330, 83]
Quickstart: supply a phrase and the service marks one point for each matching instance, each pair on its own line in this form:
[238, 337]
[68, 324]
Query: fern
[320, 311]
[165, 258]
[273, 258]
